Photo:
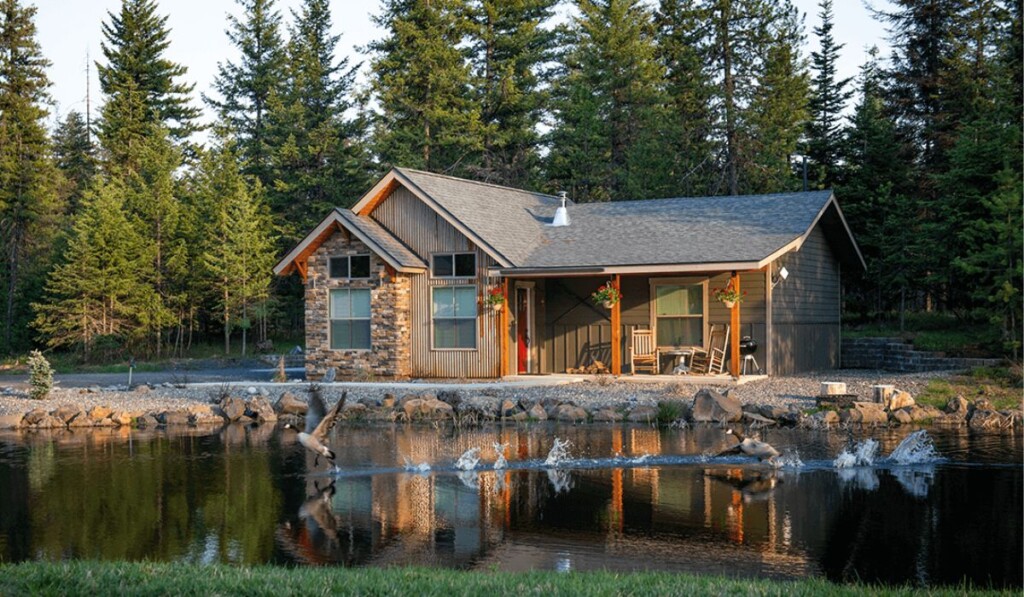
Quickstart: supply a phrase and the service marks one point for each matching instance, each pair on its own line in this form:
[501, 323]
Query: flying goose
[318, 425]
[751, 447]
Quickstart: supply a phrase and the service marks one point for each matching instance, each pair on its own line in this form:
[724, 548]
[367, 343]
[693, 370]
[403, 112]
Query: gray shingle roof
[383, 239]
[688, 230]
[678, 231]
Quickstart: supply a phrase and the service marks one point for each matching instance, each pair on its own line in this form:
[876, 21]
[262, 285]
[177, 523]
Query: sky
[70, 33]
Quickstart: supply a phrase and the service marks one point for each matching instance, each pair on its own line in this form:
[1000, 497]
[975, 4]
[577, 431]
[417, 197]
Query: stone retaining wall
[895, 354]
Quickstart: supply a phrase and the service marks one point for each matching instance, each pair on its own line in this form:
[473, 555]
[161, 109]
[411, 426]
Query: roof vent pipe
[561, 214]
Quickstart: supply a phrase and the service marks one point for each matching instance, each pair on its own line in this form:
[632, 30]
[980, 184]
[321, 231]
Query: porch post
[734, 330]
[617, 328]
[503, 330]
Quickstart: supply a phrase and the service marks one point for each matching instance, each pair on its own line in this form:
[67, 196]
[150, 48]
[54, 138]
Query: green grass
[935, 332]
[91, 578]
[999, 385]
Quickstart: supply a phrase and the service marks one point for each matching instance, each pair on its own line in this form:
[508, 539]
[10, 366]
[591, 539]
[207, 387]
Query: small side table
[680, 356]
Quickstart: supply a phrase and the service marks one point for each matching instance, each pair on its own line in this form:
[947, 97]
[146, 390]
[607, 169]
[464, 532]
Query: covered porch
[551, 326]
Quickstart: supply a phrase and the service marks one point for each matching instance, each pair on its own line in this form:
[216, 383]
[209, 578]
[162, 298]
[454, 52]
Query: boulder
[259, 408]
[82, 419]
[772, 412]
[451, 397]
[436, 409]
[507, 408]
[411, 407]
[898, 400]
[405, 399]
[920, 412]
[142, 389]
[607, 415]
[711, 406]
[205, 415]
[66, 413]
[49, 422]
[570, 413]
[289, 404]
[354, 410]
[982, 404]
[99, 413]
[33, 417]
[388, 401]
[10, 421]
[986, 419]
[234, 408]
[824, 418]
[252, 391]
[958, 407]
[756, 418]
[122, 418]
[538, 413]
[902, 416]
[149, 421]
[865, 413]
[643, 414]
[521, 415]
[175, 418]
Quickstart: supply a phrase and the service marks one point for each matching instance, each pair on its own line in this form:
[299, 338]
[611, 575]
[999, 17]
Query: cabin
[431, 276]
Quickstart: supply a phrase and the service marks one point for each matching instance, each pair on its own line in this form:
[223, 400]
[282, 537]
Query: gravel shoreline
[799, 391]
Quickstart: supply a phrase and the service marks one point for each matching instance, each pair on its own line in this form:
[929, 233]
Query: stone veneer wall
[389, 355]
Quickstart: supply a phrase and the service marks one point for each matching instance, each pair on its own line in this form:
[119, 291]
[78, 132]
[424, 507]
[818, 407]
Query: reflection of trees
[155, 497]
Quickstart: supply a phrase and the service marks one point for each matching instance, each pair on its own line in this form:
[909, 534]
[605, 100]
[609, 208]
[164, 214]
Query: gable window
[453, 313]
[350, 266]
[350, 319]
[679, 314]
[453, 265]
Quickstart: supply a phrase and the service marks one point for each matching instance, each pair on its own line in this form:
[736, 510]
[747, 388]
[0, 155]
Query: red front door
[523, 330]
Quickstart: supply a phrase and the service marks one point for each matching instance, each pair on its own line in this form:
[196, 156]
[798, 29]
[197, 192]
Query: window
[679, 313]
[350, 266]
[350, 319]
[453, 310]
[454, 265]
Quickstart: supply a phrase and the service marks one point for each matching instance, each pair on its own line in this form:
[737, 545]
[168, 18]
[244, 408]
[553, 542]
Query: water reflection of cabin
[399, 285]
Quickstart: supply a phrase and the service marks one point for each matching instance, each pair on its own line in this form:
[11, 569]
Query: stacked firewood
[595, 368]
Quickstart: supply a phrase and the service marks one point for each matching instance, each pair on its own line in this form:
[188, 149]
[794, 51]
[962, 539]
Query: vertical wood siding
[425, 232]
[805, 310]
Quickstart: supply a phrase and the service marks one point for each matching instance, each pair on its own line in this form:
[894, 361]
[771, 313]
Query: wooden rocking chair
[711, 359]
[643, 354]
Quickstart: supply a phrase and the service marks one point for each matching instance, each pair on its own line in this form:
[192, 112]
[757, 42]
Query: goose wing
[315, 413]
[329, 419]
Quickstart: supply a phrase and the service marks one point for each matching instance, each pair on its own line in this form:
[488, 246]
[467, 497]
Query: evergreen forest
[145, 228]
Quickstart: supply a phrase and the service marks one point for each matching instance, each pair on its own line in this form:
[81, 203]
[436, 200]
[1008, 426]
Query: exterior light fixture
[782, 274]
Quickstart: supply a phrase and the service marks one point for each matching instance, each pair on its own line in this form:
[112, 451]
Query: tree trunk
[227, 325]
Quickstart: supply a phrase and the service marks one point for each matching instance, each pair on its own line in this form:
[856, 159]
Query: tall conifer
[829, 95]
[75, 156]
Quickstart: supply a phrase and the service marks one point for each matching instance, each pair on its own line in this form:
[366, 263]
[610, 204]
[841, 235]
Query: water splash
[469, 459]
[916, 448]
[499, 449]
[640, 459]
[788, 460]
[470, 479]
[422, 467]
[862, 454]
[861, 478]
[917, 483]
[561, 480]
[559, 453]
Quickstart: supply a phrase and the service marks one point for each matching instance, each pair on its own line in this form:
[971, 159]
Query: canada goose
[318, 425]
[753, 488]
[318, 511]
[751, 447]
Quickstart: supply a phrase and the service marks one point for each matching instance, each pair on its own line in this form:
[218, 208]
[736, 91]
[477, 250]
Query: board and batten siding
[425, 233]
[806, 311]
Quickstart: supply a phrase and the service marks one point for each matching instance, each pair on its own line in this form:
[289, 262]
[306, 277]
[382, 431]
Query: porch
[697, 381]
[550, 325]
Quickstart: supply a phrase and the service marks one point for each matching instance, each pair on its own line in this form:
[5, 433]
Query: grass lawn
[93, 578]
[999, 385]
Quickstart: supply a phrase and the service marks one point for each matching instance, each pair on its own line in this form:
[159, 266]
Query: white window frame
[369, 269]
[702, 282]
[476, 319]
[476, 265]
[331, 320]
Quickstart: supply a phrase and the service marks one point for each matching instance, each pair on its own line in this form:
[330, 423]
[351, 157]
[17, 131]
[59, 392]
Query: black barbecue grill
[748, 346]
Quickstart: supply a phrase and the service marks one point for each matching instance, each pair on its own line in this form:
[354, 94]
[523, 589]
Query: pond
[620, 498]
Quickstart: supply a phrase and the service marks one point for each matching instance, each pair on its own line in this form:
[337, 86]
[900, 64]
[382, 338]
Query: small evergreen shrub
[40, 376]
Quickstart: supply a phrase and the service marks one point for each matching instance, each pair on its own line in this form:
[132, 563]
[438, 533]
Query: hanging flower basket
[606, 295]
[495, 298]
[728, 296]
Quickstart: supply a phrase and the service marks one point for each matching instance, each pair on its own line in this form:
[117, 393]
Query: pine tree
[97, 292]
[239, 251]
[682, 50]
[75, 156]
[608, 105]
[143, 88]
[511, 47]
[420, 78]
[29, 205]
[319, 161]
[245, 89]
[827, 103]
